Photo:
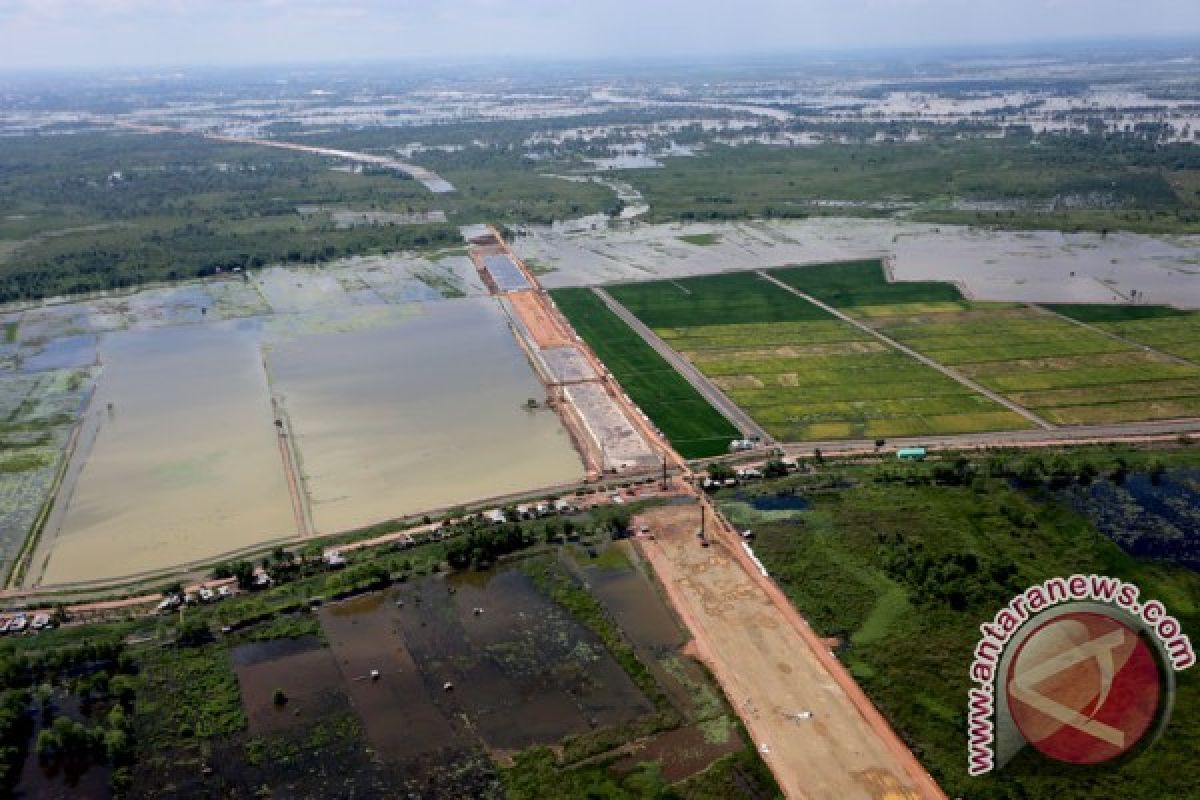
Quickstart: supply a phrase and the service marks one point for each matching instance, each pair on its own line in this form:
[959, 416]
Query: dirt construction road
[815, 729]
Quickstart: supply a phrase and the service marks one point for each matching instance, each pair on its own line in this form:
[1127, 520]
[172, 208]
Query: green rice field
[1167, 329]
[694, 428]
[1066, 373]
[805, 375]
[799, 372]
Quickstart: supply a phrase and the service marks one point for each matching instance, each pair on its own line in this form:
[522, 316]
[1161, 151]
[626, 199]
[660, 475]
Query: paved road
[908, 351]
[740, 419]
[430, 179]
[1075, 435]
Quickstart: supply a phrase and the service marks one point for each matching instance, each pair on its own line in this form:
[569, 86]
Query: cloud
[122, 32]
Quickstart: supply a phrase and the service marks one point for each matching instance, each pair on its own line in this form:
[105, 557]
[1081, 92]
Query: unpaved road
[716, 398]
[953, 374]
[775, 670]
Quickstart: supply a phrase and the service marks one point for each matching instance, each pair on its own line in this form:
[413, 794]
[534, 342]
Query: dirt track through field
[709, 391]
[812, 724]
[953, 374]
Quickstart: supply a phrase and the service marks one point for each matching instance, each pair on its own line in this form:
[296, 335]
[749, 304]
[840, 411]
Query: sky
[108, 33]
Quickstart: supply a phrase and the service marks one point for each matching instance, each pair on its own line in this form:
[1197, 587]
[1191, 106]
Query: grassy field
[800, 372]
[1163, 328]
[694, 428]
[730, 299]
[700, 239]
[919, 562]
[1067, 374]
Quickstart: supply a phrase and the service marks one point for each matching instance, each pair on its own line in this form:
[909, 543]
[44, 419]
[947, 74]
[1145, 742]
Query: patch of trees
[101, 677]
[959, 580]
[123, 258]
[480, 548]
[15, 726]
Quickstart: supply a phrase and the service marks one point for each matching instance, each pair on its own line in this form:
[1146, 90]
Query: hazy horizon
[97, 34]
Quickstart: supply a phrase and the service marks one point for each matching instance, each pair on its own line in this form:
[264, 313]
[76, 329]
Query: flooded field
[1151, 515]
[161, 405]
[521, 671]
[38, 412]
[58, 779]
[1025, 266]
[416, 415]
[303, 669]
[181, 461]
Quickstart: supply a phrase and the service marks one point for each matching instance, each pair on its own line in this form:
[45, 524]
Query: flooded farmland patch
[422, 413]
[475, 658]
[636, 607]
[180, 459]
[38, 411]
[302, 669]
[1150, 515]
[67, 352]
[1020, 266]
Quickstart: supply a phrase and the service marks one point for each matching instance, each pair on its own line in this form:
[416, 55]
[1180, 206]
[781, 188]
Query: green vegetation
[1067, 374]
[729, 777]
[864, 283]
[183, 722]
[1163, 328]
[534, 775]
[922, 554]
[728, 299]
[700, 239]
[109, 210]
[190, 693]
[1096, 313]
[1122, 185]
[23, 462]
[799, 371]
[594, 764]
[81, 695]
[1063, 372]
[102, 210]
[694, 428]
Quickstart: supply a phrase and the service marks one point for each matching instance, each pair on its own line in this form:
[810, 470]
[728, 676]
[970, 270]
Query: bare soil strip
[812, 724]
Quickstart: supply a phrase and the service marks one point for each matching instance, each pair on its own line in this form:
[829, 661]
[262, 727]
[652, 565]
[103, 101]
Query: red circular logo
[1084, 688]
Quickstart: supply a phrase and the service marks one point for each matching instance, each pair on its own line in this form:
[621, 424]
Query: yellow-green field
[1166, 329]
[805, 375]
[801, 373]
[1066, 373]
